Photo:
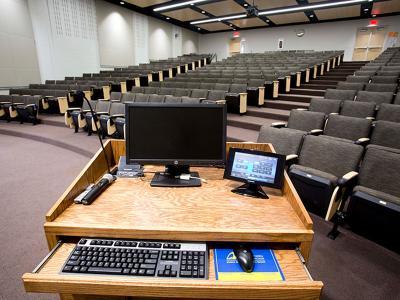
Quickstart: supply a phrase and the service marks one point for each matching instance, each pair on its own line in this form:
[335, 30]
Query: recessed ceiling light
[245, 5]
[168, 18]
[233, 28]
[198, 28]
[370, 0]
[219, 19]
[203, 12]
[365, 9]
[122, 3]
[230, 25]
[311, 16]
[374, 16]
[267, 21]
[192, 2]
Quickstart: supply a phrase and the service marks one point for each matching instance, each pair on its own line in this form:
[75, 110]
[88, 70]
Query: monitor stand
[251, 190]
[170, 177]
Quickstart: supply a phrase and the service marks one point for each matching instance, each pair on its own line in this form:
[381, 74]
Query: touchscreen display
[254, 167]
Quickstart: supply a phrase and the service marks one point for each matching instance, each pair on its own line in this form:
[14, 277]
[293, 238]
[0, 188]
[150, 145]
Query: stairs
[246, 127]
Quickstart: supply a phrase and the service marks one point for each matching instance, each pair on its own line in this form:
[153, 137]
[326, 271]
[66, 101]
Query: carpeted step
[324, 82]
[330, 78]
[309, 92]
[248, 122]
[292, 98]
[52, 120]
[317, 86]
[285, 104]
[269, 113]
[237, 134]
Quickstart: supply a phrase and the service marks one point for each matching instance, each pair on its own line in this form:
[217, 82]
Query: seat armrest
[370, 118]
[118, 116]
[333, 113]
[73, 108]
[101, 112]
[291, 159]
[362, 141]
[278, 124]
[316, 132]
[348, 180]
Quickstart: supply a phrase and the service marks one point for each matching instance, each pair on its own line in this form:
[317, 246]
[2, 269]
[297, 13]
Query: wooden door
[369, 43]
[234, 47]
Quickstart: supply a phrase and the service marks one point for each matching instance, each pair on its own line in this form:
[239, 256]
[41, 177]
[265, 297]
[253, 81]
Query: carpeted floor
[39, 162]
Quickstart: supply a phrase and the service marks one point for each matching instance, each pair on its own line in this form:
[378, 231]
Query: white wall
[322, 36]
[18, 59]
[116, 35]
[66, 37]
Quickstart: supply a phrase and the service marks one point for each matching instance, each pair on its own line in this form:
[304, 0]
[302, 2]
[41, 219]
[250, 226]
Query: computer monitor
[257, 169]
[177, 136]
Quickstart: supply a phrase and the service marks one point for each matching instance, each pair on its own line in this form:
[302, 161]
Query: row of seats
[19, 108]
[372, 87]
[111, 114]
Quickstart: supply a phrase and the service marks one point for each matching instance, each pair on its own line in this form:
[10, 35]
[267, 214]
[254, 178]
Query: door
[369, 43]
[234, 47]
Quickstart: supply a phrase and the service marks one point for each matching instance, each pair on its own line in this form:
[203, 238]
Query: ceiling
[209, 16]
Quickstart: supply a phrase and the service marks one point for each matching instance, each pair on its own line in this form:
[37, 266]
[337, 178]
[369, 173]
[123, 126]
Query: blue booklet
[266, 266]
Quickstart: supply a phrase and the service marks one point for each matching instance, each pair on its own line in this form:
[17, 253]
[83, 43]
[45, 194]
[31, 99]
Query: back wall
[323, 36]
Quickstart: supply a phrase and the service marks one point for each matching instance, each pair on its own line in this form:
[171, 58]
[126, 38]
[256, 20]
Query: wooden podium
[130, 208]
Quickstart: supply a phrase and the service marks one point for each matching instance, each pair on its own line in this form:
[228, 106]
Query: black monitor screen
[176, 133]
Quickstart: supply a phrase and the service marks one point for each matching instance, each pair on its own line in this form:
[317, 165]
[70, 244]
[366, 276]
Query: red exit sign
[236, 34]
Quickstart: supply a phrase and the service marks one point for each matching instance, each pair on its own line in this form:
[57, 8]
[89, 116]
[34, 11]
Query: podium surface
[131, 209]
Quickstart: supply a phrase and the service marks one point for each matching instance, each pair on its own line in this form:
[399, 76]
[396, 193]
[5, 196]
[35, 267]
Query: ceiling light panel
[192, 2]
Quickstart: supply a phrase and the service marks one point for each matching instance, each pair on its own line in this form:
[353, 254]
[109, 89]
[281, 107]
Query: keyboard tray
[47, 278]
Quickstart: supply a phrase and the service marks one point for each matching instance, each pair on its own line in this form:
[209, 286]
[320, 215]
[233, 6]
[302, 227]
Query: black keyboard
[138, 258]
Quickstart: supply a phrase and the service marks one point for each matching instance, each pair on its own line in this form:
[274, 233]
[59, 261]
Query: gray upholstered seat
[150, 90]
[222, 87]
[376, 97]
[238, 88]
[347, 128]
[397, 99]
[389, 112]
[285, 141]
[199, 93]
[157, 83]
[305, 120]
[340, 94]
[362, 79]
[216, 95]
[180, 92]
[156, 98]
[374, 207]
[115, 96]
[193, 85]
[141, 98]
[166, 91]
[207, 85]
[172, 99]
[381, 87]
[386, 134]
[127, 97]
[322, 162]
[342, 85]
[190, 100]
[326, 106]
[384, 79]
[358, 109]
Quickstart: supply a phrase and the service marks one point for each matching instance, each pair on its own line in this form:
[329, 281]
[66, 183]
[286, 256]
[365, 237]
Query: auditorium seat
[28, 112]
[156, 98]
[166, 91]
[127, 97]
[345, 128]
[358, 109]
[381, 87]
[324, 168]
[199, 93]
[326, 106]
[384, 79]
[172, 99]
[357, 79]
[386, 134]
[137, 89]
[357, 86]
[141, 98]
[216, 95]
[107, 121]
[389, 112]
[76, 117]
[340, 94]
[150, 90]
[375, 97]
[102, 108]
[374, 207]
[397, 99]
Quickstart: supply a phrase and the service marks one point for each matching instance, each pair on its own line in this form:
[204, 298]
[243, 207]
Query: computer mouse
[245, 258]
